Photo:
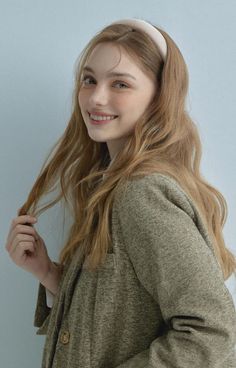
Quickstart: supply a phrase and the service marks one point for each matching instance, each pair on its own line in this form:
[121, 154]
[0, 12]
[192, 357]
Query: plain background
[40, 42]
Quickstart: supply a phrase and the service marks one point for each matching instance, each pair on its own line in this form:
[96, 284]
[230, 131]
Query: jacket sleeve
[43, 308]
[174, 260]
[49, 298]
[42, 312]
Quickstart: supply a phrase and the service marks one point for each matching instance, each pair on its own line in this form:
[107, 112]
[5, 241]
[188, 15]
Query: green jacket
[159, 300]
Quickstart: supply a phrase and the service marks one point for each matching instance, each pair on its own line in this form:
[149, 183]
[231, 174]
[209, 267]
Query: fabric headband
[156, 35]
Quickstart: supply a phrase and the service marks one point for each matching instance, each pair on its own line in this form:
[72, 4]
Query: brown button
[65, 337]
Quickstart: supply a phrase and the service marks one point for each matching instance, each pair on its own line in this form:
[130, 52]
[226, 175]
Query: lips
[101, 114]
[101, 122]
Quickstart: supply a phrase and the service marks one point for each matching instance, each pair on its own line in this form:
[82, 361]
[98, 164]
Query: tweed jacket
[158, 301]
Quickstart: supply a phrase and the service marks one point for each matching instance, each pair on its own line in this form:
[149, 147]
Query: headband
[151, 31]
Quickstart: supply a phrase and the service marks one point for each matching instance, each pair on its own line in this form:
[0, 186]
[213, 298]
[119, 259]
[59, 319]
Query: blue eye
[91, 78]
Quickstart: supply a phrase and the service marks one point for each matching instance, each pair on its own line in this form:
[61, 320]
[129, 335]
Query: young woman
[140, 280]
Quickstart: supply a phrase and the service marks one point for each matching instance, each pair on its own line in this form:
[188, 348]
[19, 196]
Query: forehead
[107, 57]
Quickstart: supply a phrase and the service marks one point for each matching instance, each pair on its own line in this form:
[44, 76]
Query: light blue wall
[39, 43]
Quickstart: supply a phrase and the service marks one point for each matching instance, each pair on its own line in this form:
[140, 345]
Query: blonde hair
[165, 140]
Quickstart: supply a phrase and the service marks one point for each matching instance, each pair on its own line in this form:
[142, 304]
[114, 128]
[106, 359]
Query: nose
[99, 95]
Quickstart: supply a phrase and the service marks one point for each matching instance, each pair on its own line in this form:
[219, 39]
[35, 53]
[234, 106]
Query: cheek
[82, 105]
[80, 99]
[124, 103]
[83, 97]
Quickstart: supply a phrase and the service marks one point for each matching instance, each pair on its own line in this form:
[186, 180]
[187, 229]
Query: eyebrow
[111, 74]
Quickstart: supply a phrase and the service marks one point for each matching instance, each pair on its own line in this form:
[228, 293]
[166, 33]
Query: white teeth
[96, 117]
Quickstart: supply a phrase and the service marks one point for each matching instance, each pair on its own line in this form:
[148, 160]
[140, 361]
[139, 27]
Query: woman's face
[123, 97]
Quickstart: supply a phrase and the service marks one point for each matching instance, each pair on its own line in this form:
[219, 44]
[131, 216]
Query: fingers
[17, 226]
[23, 220]
[22, 252]
[19, 240]
[24, 229]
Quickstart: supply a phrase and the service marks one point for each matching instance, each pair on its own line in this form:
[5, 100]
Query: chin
[96, 138]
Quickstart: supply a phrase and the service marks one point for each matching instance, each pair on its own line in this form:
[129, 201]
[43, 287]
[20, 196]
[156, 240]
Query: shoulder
[157, 204]
[155, 189]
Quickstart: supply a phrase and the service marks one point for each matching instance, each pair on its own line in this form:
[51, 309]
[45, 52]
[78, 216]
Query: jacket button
[65, 337]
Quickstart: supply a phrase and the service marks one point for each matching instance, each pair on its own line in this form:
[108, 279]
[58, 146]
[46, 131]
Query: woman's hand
[26, 248]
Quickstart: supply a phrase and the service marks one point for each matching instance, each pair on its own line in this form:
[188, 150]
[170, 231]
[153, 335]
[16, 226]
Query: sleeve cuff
[49, 298]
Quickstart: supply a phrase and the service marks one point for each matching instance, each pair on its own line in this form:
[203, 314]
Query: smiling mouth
[114, 116]
[100, 119]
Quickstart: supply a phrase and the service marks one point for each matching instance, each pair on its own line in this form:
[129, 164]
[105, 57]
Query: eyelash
[89, 76]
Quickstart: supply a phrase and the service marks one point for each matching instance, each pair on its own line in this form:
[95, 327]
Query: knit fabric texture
[158, 301]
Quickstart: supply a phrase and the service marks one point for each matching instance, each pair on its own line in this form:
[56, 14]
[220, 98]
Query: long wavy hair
[165, 140]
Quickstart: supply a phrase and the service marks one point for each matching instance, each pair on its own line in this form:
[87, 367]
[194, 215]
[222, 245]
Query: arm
[174, 260]
[51, 283]
[52, 279]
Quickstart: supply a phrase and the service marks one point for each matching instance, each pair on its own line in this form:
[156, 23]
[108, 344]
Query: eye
[85, 78]
[89, 77]
[122, 84]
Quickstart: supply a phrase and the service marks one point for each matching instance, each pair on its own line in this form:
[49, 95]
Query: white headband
[156, 35]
